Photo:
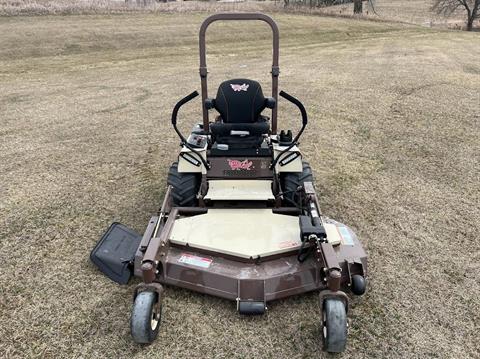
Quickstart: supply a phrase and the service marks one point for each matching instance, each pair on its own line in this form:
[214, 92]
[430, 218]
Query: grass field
[85, 140]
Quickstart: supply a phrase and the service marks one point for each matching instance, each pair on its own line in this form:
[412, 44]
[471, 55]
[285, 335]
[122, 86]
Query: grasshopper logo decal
[238, 88]
[237, 165]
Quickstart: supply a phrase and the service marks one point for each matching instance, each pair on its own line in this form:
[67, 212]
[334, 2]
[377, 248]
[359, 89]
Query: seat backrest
[240, 101]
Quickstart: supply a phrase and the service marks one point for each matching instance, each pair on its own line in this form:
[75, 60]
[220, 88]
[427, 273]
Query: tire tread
[184, 186]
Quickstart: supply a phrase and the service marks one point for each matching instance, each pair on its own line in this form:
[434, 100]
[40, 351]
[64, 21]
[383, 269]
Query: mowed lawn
[85, 140]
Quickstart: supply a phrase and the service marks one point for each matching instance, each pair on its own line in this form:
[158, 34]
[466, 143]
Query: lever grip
[296, 103]
[180, 103]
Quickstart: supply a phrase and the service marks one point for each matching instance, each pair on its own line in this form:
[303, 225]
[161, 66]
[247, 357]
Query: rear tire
[185, 186]
[334, 329]
[146, 317]
[290, 182]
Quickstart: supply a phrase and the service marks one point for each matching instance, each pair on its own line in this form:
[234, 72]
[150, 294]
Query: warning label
[287, 244]
[346, 236]
[195, 260]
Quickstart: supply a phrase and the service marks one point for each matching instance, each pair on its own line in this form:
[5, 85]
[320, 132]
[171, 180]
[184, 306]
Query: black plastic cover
[115, 251]
[307, 228]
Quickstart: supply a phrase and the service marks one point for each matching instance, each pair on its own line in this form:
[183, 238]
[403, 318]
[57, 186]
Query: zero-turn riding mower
[240, 219]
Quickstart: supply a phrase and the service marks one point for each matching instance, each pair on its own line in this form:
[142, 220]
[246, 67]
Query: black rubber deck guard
[115, 251]
[251, 308]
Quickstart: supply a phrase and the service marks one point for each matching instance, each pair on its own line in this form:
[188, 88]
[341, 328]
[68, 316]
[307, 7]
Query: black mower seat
[240, 103]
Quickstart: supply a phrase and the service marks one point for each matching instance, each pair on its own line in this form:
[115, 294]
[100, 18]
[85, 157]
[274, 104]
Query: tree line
[443, 7]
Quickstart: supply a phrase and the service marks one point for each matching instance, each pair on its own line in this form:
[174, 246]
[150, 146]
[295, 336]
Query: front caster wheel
[146, 316]
[334, 325]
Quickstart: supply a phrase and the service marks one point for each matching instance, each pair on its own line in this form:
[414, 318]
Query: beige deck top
[239, 232]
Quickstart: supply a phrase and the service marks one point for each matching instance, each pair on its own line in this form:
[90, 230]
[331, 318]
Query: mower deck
[199, 257]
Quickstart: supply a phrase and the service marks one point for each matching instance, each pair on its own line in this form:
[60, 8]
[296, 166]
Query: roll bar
[203, 58]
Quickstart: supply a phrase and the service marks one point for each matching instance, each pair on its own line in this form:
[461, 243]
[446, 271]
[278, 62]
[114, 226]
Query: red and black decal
[240, 167]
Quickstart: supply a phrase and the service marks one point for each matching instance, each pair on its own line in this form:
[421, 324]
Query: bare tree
[447, 7]
[357, 6]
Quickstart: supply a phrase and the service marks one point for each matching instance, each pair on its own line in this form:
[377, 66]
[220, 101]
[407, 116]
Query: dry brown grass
[85, 140]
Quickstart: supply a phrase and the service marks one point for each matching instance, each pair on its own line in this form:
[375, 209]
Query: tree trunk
[470, 18]
[357, 6]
